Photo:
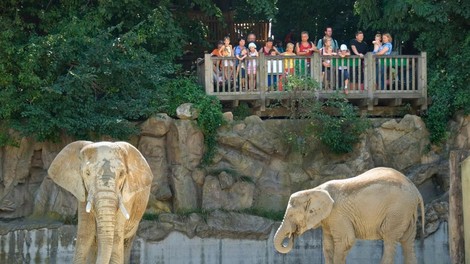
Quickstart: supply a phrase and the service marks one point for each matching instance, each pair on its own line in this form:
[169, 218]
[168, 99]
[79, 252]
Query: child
[343, 68]
[289, 63]
[226, 51]
[251, 65]
[377, 43]
[241, 66]
[274, 69]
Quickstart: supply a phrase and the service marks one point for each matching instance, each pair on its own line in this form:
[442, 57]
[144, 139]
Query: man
[359, 48]
[358, 45]
[328, 34]
[251, 38]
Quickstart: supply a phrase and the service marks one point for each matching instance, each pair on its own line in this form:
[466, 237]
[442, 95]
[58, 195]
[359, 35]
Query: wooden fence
[369, 79]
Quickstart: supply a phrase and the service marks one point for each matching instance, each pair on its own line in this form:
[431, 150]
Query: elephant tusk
[88, 204]
[123, 209]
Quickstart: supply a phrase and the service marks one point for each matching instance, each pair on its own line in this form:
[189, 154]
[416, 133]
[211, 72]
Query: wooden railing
[371, 78]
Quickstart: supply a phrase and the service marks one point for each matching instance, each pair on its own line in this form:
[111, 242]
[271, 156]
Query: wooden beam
[465, 206]
[456, 224]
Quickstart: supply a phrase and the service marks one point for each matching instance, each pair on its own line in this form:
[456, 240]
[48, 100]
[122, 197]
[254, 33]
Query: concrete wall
[57, 246]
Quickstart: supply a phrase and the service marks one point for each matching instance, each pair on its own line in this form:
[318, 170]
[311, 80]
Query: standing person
[359, 48]
[327, 52]
[240, 53]
[289, 63]
[304, 48]
[328, 34]
[384, 49]
[343, 73]
[227, 51]
[218, 78]
[268, 46]
[251, 66]
[279, 47]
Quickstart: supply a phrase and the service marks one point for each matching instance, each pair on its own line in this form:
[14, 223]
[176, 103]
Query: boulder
[187, 112]
[185, 192]
[238, 196]
[154, 151]
[185, 144]
[156, 126]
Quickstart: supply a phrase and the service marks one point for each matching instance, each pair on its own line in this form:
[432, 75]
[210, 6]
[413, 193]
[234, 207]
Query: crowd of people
[326, 46]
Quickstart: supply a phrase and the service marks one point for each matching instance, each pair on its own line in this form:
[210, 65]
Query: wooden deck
[374, 82]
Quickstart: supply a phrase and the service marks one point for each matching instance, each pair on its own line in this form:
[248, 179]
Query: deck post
[423, 80]
[262, 77]
[208, 71]
[369, 80]
[316, 67]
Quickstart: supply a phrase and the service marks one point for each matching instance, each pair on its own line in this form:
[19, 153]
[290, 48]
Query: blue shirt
[389, 46]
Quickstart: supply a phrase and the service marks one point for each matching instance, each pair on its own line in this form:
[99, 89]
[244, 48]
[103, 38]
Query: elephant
[106, 178]
[381, 204]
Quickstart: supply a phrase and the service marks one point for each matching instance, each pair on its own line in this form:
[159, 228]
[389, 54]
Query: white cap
[343, 47]
[252, 45]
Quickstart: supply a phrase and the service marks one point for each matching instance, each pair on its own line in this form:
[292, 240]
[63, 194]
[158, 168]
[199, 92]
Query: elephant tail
[423, 216]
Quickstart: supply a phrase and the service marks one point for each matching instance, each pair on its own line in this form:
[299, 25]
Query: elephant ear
[65, 169]
[318, 207]
[139, 174]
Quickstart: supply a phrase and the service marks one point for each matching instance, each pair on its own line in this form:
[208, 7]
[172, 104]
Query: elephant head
[305, 210]
[106, 175]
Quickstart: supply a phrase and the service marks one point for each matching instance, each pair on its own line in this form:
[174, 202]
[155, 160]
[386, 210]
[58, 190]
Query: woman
[304, 48]
[326, 51]
[384, 49]
[266, 50]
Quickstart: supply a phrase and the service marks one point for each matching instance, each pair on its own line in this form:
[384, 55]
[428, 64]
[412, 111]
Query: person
[268, 46]
[240, 53]
[343, 68]
[304, 48]
[359, 47]
[289, 38]
[326, 51]
[251, 66]
[289, 63]
[384, 50]
[216, 68]
[377, 42]
[279, 46]
[274, 70]
[227, 51]
[328, 34]
[251, 38]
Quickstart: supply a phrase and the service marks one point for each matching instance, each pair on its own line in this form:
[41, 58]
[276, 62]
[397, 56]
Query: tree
[441, 28]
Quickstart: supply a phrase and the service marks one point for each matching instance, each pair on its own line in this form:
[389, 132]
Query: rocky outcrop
[253, 168]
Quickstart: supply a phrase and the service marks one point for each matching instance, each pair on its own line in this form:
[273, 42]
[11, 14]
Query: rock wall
[253, 168]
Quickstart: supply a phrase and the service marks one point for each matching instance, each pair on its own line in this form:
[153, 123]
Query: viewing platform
[375, 82]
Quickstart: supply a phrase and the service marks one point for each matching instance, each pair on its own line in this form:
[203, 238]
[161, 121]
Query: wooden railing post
[208, 73]
[369, 80]
[423, 80]
[316, 67]
[263, 78]
[465, 167]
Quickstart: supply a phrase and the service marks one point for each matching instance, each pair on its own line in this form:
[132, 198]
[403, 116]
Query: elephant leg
[328, 247]
[389, 252]
[86, 231]
[409, 251]
[342, 246]
[127, 248]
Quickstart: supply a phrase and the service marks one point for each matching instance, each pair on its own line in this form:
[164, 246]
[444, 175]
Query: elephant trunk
[281, 234]
[105, 210]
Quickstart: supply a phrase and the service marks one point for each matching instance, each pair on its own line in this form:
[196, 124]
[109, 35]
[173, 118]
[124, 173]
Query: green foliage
[441, 29]
[341, 129]
[335, 122]
[241, 111]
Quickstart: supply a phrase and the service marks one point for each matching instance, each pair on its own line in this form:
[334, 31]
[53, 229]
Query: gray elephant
[381, 203]
[111, 182]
